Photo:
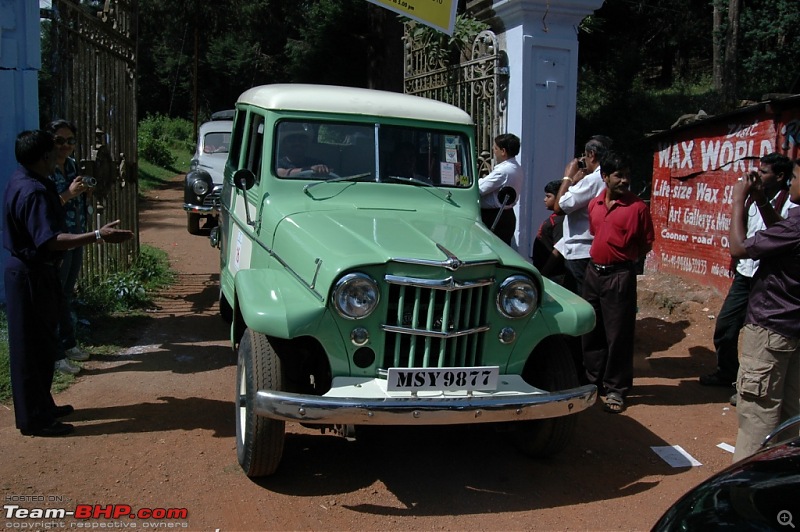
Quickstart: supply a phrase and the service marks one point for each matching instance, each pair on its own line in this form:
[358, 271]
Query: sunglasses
[60, 141]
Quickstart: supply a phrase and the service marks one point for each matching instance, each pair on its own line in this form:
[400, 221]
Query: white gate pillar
[541, 40]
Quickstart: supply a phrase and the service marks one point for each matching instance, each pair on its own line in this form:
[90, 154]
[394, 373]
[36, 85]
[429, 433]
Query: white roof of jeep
[349, 100]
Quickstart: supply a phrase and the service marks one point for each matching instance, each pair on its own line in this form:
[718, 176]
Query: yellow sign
[439, 14]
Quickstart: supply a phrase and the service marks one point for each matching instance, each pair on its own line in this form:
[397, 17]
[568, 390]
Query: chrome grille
[435, 323]
[212, 199]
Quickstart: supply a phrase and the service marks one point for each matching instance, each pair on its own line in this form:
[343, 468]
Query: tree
[243, 43]
[726, 50]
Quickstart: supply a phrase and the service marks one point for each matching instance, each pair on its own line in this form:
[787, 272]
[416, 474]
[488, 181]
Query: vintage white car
[204, 181]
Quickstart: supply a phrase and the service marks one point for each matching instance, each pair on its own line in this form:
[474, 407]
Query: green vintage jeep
[362, 287]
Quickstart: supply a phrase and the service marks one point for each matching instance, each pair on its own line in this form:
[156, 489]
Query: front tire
[550, 368]
[259, 440]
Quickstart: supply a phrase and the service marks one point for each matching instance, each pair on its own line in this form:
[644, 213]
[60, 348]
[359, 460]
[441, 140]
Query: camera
[89, 181]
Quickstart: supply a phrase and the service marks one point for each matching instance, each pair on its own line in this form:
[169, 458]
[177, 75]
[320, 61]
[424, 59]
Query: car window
[439, 158]
[238, 137]
[217, 142]
[304, 148]
[255, 145]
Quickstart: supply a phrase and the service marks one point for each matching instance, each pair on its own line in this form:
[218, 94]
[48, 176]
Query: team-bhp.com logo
[150, 517]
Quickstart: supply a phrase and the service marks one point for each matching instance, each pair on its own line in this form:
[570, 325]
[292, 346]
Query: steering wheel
[310, 173]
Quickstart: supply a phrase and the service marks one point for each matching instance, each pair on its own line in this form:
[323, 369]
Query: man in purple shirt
[35, 236]
[768, 381]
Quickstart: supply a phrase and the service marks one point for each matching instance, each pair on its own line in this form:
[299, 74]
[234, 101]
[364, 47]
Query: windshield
[324, 151]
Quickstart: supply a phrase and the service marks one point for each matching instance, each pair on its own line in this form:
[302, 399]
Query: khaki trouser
[768, 385]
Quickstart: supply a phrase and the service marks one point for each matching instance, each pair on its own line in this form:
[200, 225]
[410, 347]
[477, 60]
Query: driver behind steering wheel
[294, 161]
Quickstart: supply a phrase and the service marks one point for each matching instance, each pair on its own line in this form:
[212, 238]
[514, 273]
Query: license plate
[442, 379]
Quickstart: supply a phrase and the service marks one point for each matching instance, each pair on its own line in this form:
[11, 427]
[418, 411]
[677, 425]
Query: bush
[128, 290]
[156, 151]
[158, 134]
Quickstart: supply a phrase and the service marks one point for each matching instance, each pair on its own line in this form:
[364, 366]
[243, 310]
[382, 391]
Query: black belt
[604, 269]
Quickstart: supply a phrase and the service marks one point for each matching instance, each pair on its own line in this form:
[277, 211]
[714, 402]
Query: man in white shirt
[581, 183]
[506, 173]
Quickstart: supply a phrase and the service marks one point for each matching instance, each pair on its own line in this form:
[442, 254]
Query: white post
[540, 38]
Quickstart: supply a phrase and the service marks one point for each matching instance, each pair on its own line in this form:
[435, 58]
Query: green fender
[562, 312]
[276, 304]
[565, 312]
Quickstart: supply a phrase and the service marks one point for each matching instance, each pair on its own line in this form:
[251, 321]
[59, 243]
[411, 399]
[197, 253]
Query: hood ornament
[452, 263]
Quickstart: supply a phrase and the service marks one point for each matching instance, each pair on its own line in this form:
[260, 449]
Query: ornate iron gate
[478, 85]
[94, 71]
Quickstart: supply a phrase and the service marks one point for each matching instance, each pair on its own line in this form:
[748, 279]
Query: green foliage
[770, 48]
[131, 289]
[157, 137]
[154, 176]
[155, 150]
[441, 47]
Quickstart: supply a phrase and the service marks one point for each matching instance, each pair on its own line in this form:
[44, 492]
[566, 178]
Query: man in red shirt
[623, 233]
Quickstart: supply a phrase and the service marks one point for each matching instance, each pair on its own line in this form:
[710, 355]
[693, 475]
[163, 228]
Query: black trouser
[505, 226]
[33, 298]
[608, 349]
[729, 322]
[576, 270]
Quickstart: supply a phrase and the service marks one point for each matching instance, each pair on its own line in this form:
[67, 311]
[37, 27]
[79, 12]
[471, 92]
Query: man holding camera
[581, 183]
[766, 205]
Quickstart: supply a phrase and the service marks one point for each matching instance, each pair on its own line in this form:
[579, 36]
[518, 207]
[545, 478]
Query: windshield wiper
[336, 180]
[417, 181]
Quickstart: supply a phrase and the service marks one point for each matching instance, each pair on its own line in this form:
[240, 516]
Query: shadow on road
[464, 470]
[168, 414]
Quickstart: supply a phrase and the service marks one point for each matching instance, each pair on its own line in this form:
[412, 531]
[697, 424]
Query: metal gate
[94, 86]
[478, 85]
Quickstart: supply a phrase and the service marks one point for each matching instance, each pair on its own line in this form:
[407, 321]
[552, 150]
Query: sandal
[614, 403]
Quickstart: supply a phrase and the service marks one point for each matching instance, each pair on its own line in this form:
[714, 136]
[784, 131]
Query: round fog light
[507, 335]
[359, 336]
[364, 357]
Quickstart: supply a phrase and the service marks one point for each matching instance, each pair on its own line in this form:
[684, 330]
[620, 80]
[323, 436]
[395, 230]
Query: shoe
[56, 428]
[733, 399]
[64, 410]
[614, 404]
[717, 379]
[64, 366]
[73, 353]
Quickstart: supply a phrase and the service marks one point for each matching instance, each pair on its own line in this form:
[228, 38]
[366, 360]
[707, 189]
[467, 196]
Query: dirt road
[155, 430]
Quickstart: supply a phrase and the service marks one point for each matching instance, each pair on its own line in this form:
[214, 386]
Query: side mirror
[505, 196]
[244, 179]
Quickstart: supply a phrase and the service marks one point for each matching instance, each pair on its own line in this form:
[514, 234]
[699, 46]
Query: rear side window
[254, 148]
[247, 142]
[238, 134]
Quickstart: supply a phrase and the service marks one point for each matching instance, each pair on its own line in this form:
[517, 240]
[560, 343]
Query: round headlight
[200, 187]
[517, 297]
[355, 296]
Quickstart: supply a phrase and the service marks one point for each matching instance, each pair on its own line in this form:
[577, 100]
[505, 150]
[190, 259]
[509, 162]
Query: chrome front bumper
[200, 209]
[354, 401]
